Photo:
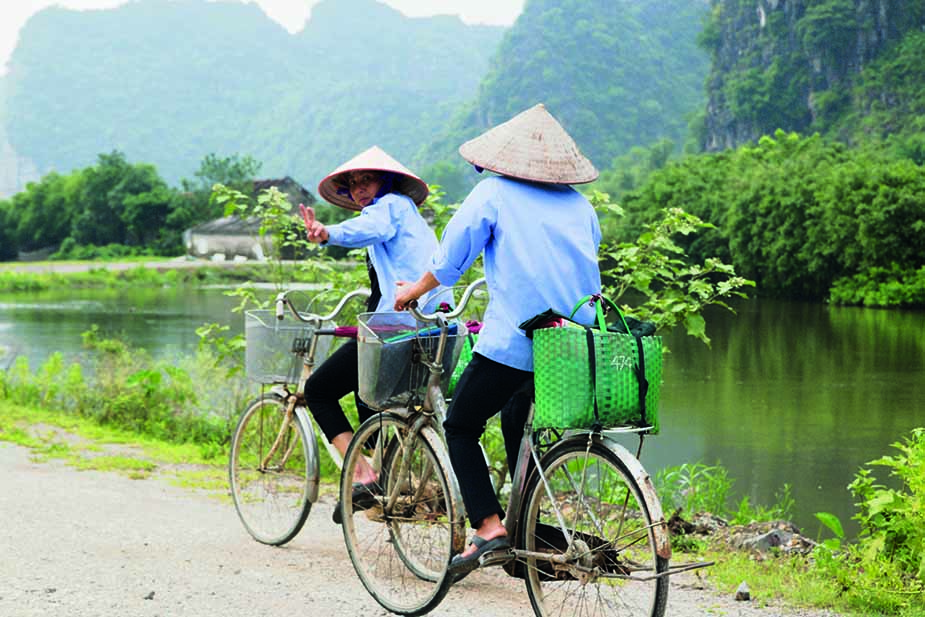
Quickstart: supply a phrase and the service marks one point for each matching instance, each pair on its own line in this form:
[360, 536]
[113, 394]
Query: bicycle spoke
[269, 473]
[400, 547]
[609, 536]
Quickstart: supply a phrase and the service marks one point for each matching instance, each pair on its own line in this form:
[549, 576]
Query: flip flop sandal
[492, 552]
[363, 497]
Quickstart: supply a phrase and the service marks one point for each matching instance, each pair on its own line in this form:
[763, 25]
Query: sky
[290, 13]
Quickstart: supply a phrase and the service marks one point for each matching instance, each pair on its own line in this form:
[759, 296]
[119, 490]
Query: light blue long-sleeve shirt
[399, 243]
[540, 243]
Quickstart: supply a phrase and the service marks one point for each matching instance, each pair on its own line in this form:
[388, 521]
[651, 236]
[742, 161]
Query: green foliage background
[795, 214]
[843, 68]
[616, 73]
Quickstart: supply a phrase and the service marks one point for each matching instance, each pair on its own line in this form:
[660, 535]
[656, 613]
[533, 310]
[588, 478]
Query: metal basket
[269, 356]
[389, 376]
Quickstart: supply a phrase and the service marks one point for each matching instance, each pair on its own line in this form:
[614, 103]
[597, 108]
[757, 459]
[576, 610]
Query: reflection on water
[793, 393]
[162, 321]
[789, 393]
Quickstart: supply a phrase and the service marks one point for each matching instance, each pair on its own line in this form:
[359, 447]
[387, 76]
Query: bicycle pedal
[496, 558]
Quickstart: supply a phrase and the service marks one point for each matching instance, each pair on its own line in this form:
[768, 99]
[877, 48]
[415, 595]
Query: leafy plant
[781, 509]
[884, 571]
[694, 487]
[893, 519]
[833, 524]
[674, 291]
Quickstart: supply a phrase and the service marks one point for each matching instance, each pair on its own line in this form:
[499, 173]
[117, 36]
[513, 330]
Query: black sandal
[492, 552]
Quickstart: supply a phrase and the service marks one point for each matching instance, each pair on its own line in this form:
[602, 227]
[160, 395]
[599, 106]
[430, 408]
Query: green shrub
[881, 287]
[884, 571]
[893, 519]
[695, 487]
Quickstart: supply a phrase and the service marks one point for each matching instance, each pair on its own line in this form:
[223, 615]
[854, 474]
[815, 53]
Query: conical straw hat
[531, 146]
[334, 187]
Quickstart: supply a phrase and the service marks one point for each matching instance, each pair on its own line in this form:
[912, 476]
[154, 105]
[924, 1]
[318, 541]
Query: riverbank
[25, 277]
[160, 265]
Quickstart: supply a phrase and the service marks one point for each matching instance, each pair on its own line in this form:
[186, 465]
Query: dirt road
[86, 543]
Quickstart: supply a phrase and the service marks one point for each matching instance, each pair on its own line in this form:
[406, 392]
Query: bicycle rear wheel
[270, 486]
[609, 544]
[400, 547]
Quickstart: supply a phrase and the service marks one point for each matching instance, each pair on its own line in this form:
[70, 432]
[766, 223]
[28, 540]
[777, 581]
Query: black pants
[335, 378]
[485, 388]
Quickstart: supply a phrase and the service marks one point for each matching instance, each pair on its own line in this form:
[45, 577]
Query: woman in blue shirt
[540, 239]
[399, 244]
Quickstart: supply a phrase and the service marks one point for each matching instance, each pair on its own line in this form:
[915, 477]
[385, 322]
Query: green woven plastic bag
[565, 390]
[464, 357]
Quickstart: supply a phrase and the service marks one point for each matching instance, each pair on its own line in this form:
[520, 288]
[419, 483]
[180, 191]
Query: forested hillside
[616, 73]
[815, 180]
[849, 69]
[170, 82]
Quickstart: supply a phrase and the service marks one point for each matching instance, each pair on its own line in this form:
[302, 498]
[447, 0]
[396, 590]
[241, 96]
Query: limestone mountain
[850, 69]
[169, 82]
[616, 73]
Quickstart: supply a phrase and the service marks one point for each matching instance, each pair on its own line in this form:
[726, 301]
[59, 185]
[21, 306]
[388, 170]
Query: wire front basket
[275, 347]
[390, 345]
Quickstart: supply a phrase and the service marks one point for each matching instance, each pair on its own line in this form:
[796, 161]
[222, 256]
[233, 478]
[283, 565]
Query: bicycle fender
[314, 471]
[642, 478]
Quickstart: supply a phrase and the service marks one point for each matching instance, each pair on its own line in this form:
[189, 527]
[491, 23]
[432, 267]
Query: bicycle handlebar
[433, 317]
[283, 301]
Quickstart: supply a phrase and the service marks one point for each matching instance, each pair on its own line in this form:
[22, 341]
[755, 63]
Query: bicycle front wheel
[269, 471]
[602, 561]
[401, 546]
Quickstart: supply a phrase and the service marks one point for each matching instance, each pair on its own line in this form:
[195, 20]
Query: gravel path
[85, 543]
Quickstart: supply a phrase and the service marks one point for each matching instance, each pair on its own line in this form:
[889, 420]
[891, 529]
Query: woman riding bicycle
[398, 244]
[540, 238]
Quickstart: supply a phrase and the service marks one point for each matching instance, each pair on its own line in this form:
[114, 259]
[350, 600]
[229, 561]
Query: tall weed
[192, 400]
[884, 571]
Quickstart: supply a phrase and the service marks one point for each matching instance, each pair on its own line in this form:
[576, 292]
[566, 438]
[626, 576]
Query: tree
[8, 247]
[233, 171]
[100, 221]
[45, 211]
[145, 200]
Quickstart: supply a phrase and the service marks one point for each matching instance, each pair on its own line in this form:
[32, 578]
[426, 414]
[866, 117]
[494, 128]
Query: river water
[788, 393]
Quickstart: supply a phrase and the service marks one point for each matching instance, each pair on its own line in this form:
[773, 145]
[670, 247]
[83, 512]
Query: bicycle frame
[293, 399]
[434, 406]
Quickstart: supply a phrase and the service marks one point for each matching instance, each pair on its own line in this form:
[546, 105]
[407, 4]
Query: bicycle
[274, 464]
[400, 546]
[587, 528]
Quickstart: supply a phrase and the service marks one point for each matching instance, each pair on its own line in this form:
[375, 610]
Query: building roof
[235, 225]
[229, 225]
[296, 192]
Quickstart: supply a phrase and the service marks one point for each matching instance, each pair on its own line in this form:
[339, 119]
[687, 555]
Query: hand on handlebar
[314, 229]
[406, 295]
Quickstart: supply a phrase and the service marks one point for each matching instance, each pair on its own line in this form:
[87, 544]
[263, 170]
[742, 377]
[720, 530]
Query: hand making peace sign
[314, 229]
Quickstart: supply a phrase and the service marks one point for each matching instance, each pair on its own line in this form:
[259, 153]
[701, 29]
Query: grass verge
[85, 445]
